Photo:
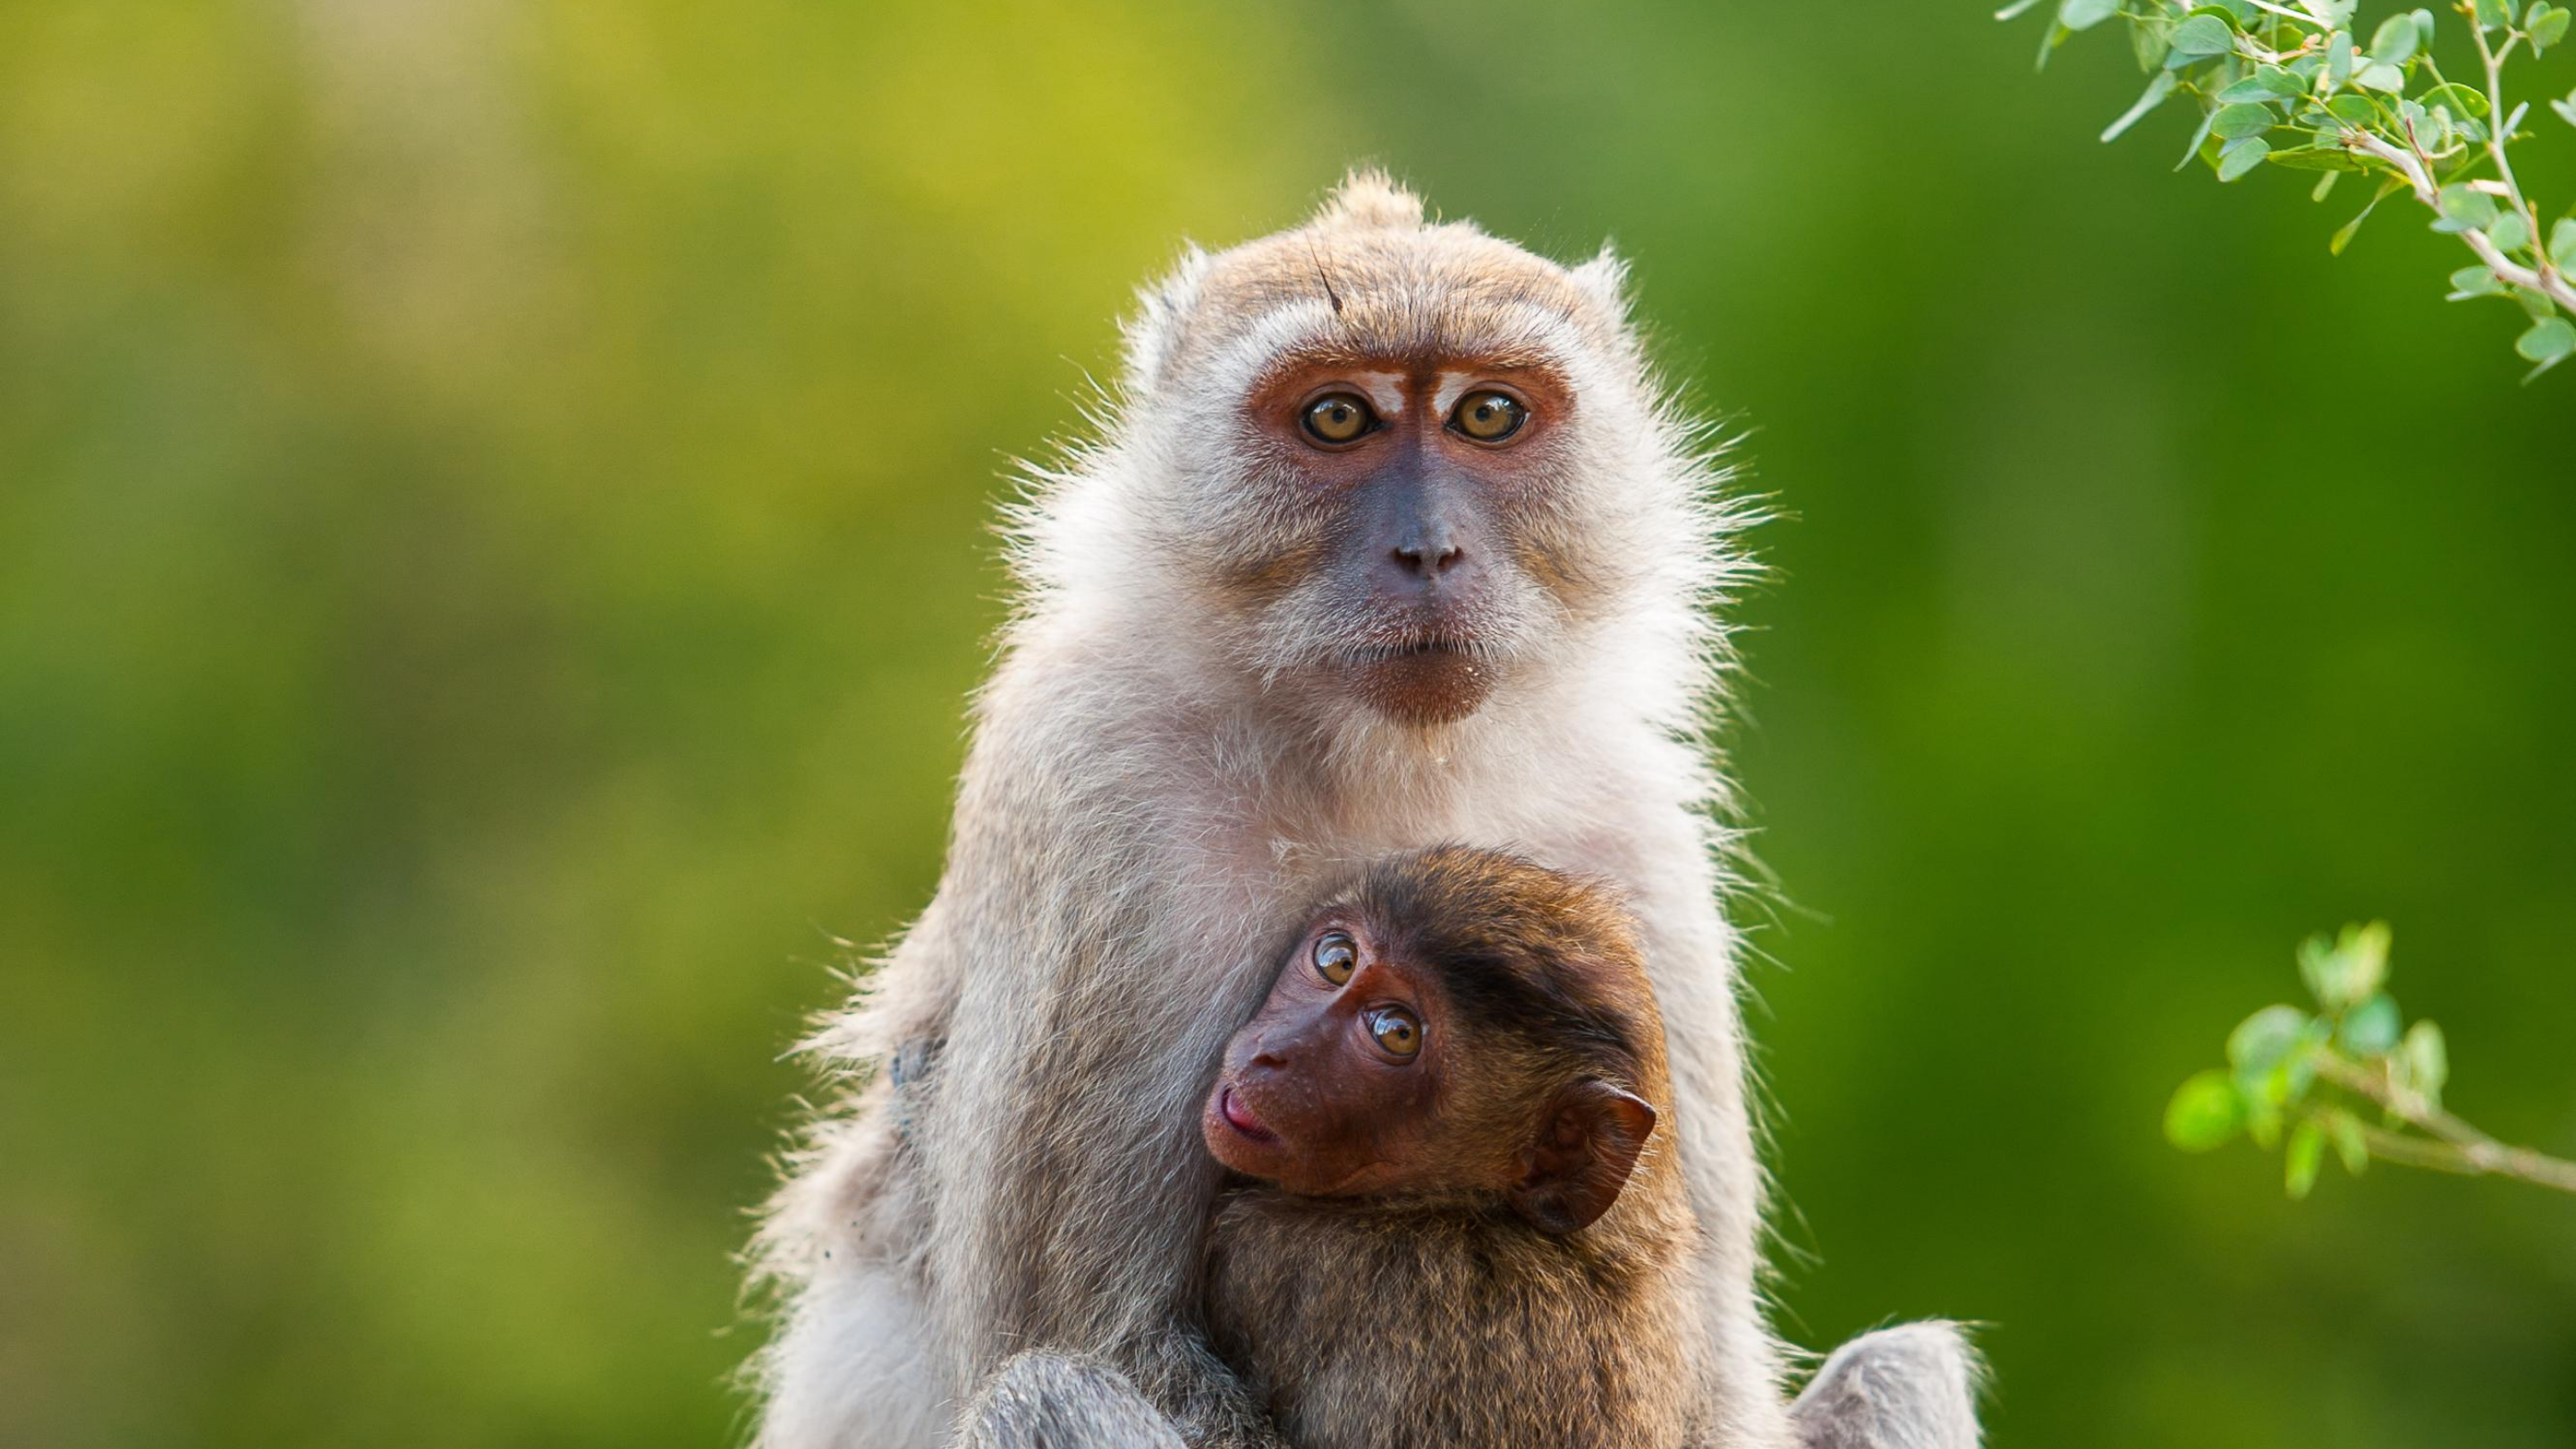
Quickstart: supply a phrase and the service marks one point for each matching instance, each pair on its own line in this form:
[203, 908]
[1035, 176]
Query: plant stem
[2550, 284]
[2460, 1148]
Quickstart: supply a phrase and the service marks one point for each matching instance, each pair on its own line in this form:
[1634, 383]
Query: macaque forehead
[1400, 300]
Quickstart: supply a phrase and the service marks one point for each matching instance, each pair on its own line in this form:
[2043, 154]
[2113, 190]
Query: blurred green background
[493, 506]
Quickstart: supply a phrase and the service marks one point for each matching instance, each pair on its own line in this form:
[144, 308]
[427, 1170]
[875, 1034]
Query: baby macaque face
[1385, 1062]
[1333, 1088]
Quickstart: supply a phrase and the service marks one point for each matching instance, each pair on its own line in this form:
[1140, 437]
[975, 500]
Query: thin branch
[2460, 1148]
[2499, 123]
[2408, 1151]
[2551, 284]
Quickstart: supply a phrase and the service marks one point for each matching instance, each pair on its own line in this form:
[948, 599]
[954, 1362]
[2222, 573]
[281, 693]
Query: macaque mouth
[1418, 649]
[1427, 679]
[1240, 1118]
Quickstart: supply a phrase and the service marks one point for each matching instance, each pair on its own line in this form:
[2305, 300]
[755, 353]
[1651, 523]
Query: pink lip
[1240, 1118]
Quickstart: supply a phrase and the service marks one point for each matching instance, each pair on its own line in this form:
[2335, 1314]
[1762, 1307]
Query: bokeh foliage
[491, 556]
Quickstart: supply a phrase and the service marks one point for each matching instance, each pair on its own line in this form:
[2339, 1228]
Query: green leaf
[2285, 84]
[2340, 59]
[2510, 232]
[2198, 38]
[2261, 1040]
[2474, 281]
[2317, 158]
[2348, 970]
[2204, 1113]
[2307, 1153]
[2394, 41]
[2236, 122]
[2349, 1143]
[2344, 234]
[2461, 99]
[2324, 184]
[2380, 76]
[2370, 1028]
[2241, 155]
[2494, 14]
[2157, 89]
[2263, 1123]
[2357, 110]
[2546, 27]
[2149, 40]
[2197, 136]
[2548, 343]
[2085, 14]
[2050, 40]
[2562, 243]
[2427, 1061]
[2268, 83]
[2465, 210]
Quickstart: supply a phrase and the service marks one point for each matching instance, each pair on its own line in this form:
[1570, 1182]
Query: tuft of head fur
[1370, 197]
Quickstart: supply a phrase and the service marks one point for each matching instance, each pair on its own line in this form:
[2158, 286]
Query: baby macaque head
[1457, 1022]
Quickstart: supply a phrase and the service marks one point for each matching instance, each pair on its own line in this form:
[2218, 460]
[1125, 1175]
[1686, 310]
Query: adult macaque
[1391, 540]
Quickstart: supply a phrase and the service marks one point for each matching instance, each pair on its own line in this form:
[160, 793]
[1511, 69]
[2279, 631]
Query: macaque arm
[1204, 1397]
[1911, 1387]
[1047, 1400]
[1043, 1399]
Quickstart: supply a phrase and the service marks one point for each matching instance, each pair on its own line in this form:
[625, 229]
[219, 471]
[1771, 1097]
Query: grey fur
[1910, 1387]
[1046, 1400]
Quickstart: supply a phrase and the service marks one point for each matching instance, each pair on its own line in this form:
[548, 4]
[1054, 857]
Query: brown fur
[1444, 1318]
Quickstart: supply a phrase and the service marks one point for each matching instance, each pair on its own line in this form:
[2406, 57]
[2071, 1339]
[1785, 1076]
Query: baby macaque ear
[1587, 1143]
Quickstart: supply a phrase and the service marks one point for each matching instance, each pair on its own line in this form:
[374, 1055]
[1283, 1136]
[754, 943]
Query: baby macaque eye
[1335, 955]
[1339, 418]
[1488, 417]
[1397, 1033]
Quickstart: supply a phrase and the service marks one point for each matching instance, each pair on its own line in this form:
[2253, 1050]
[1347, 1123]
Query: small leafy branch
[2285, 82]
[2345, 1076]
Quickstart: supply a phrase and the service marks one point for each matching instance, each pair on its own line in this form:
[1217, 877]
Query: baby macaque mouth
[1240, 1118]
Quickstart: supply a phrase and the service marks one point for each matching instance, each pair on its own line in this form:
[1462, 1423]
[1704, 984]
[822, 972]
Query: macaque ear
[1587, 1143]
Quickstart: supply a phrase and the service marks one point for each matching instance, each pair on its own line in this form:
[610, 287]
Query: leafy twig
[2308, 1071]
[2287, 84]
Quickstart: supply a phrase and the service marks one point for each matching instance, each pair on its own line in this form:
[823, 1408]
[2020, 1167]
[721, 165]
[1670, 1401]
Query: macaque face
[1486, 1041]
[1426, 472]
[1334, 1087]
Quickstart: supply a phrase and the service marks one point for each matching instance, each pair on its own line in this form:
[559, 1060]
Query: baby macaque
[1459, 1231]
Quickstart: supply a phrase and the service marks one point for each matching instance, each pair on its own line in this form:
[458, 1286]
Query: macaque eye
[1339, 418]
[1335, 955]
[1397, 1033]
[1488, 417]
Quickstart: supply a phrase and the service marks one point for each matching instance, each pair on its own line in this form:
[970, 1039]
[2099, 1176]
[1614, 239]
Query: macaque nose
[1429, 558]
